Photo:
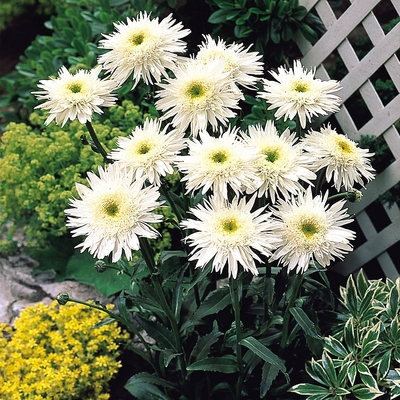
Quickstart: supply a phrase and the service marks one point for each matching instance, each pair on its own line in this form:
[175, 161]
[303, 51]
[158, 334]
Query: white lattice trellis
[336, 40]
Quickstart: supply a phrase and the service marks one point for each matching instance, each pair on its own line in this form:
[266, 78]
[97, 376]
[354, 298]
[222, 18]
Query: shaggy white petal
[297, 92]
[144, 47]
[345, 162]
[230, 234]
[75, 96]
[282, 164]
[113, 213]
[310, 229]
[149, 151]
[217, 163]
[198, 95]
[242, 65]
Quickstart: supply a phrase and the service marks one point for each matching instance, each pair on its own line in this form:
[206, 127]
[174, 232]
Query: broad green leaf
[317, 372]
[362, 283]
[142, 386]
[366, 393]
[305, 322]
[349, 336]
[309, 389]
[393, 303]
[263, 352]
[384, 363]
[370, 341]
[335, 347]
[328, 366]
[352, 374]
[350, 297]
[226, 364]
[366, 376]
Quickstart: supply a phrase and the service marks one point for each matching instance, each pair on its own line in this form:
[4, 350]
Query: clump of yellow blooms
[54, 352]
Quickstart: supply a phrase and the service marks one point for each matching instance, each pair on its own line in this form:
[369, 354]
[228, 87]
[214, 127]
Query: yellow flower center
[229, 225]
[344, 145]
[271, 155]
[219, 157]
[75, 87]
[309, 229]
[196, 90]
[301, 87]
[137, 38]
[144, 148]
[111, 208]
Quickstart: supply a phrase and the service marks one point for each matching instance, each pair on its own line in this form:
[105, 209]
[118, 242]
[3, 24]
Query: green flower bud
[354, 196]
[62, 298]
[100, 266]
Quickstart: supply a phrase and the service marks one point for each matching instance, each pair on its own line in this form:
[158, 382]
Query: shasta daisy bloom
[282, 163]
[149, 151]
[75, 96]
[242, 64]
[147, 47]
[219, 163]
[198, 94]
[344, 161]
[113, 212]
[310, 229]
[297, 92]
[230, 234]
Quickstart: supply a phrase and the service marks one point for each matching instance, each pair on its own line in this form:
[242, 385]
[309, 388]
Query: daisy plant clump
[234, 307]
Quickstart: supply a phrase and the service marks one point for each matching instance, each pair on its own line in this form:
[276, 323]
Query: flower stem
[148, 257]
[96, 142]
[292, 293]
[234, 290]
[127, 323]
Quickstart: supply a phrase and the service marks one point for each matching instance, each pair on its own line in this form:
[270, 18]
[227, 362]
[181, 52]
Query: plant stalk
[96, 141]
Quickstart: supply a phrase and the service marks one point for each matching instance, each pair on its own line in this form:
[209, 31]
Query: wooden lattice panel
[380, 249]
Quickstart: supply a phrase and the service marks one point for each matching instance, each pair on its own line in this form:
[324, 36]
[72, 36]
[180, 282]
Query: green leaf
[309, 389]
[384, 363]
[216, 301]
[393, 303]
[80, 46]
[362, 283]
[220, 16]
[263, 352]
[370, 341]
[161, 334]
[305, 322]
[203, 345]
[80, 267]
[366, 393]
[366, 376]
[142, 386]
[268, 374]
[335, 347]
[226, 364]
[329, 368]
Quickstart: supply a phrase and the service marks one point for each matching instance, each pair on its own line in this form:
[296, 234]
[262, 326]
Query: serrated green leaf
[263, 352]
[305, 322]
[216, 301]
[161, 334]
[226, 364]
[268, 374]
[142, 386]
[203, 345]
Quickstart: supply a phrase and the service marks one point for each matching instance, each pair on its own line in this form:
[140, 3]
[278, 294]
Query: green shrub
[41, 165]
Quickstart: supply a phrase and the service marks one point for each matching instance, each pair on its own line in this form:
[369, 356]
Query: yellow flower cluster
[53, 352]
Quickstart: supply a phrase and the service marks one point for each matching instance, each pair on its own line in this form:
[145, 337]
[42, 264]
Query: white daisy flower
[344, 161]
[282, 163]
[297, 92]
[143, 46]
[149, 151]
[219, 163]
[239, 62]
[230, 234]
[75, 96]
[310, 229]
[113, 213]
[198, 94]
